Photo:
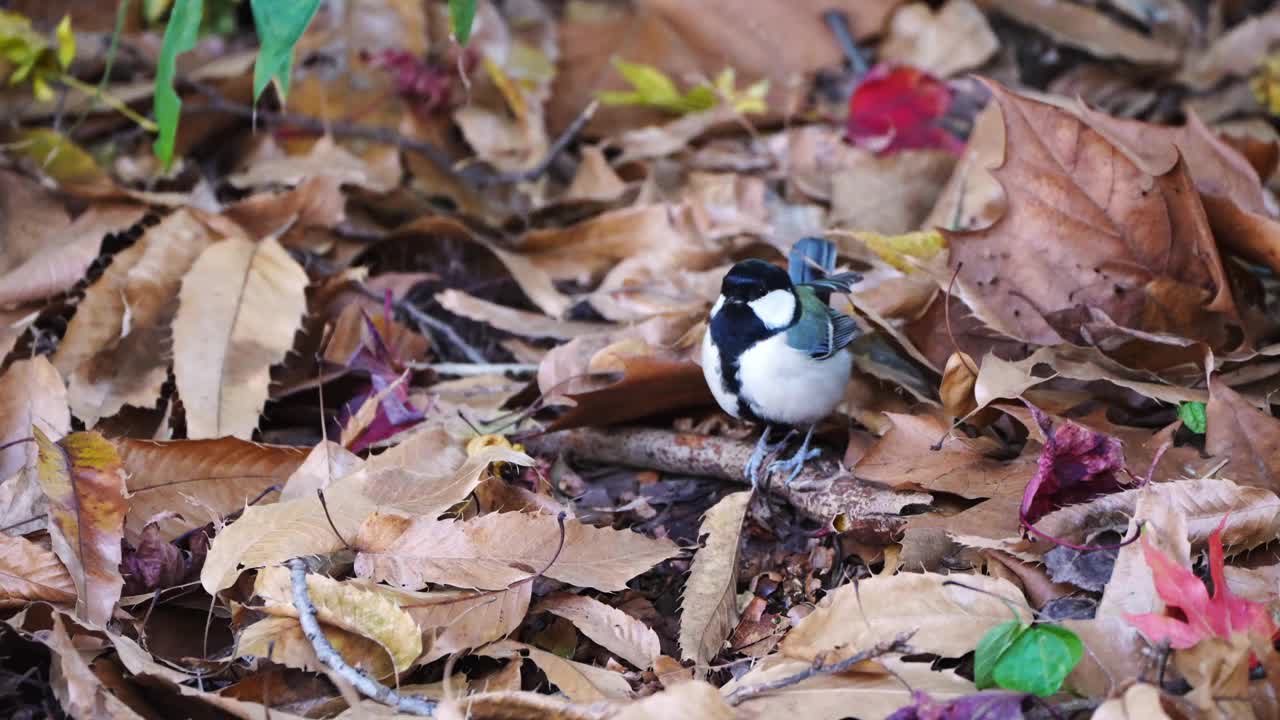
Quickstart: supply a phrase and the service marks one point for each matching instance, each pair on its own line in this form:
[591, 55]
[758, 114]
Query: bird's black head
[753, 279]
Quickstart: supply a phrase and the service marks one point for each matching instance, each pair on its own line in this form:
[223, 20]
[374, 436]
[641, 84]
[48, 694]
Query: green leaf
[462, 15]
[179, 37]
[153, 10]
[1039, 660]
[1192, 416]
[66, 42]
[651, 87]
[279, 24]
[992, 647]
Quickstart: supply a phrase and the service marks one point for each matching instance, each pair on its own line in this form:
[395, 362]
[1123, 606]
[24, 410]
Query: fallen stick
[897, 644]
[831, 496]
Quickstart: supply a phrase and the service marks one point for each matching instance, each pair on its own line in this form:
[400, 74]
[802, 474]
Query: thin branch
[553, 152]
[219, 103]
[422, 319]
[332, 660]
[469, 369]
[897, 644]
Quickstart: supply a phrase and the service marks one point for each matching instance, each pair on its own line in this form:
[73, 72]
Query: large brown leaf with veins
[1089, 231]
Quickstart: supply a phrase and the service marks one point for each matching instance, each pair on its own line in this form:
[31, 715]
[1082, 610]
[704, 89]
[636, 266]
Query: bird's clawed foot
[794, 465]
[764, 448]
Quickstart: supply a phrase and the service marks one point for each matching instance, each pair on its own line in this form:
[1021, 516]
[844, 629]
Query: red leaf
[900, 108]
[1077, 465]
[1191, 615]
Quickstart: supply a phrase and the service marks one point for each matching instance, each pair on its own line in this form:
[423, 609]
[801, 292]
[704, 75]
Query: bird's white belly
[715, 380]
[785, 385]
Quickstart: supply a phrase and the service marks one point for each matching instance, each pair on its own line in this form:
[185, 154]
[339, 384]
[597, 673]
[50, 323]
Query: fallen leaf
[708, 610]
[348, 607]
[1145, 259]
[1248, 438]
[198, 481]
[224, 344]
[900, 108]
[1075, 466]
[889, 194]
[947, 620]
[609, 627]
[516, 322]
[31, 395]
[281, 640]
[952, 40]
[484, 553]
[457, 620]
[326, 462]
[1140, 701]
[154, 564]
[74, 683]
[1086, 28]
[594, 178]
[325, 159]
[693, 700]
[580, 682]
[1235, 53]
[84, 480]
[31, 572]
[988, 705]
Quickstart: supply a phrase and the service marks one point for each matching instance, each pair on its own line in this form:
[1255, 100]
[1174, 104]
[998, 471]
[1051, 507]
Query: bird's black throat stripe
[734, 330]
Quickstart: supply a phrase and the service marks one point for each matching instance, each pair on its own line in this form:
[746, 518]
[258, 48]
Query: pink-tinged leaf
[1076, 465]
[393, 412]
[1195, 615]
[986, 705]
[900, 108]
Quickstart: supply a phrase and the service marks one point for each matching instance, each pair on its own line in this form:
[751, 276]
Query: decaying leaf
[613, 629]
[580, 682]
[709, 609]
[31, 572]
[493, 551]
[225, 339]
[84, 480]
[31, 395]
[1246, 437]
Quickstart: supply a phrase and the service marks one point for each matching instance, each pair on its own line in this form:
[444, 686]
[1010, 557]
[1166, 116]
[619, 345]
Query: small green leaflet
[654, 89]
[1192, 416]
[279, 24]
[462, 14]
[179, 37]
[1026, 658]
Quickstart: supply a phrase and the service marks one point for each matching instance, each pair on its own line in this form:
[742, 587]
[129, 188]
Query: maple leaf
[1191, 614]
[900, 108]
[1076, 465]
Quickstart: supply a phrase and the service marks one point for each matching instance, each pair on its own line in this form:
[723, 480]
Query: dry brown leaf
[580, 682]
[1140, 702]
[308, 211]
[237, 313]
[116, 350]
[31, 572]
[493, 551]
[889, 194]
[201, 481]
[693, 700]
[1248, 438]
[905, 457]
[708, 611]
[326, 462]
[65, 253]
[1131, 589]
[349, 607]
[594, 178]
[84, 480]
[875, 695]
[1114, 239]
[947, 620]
[1235, 53]
[29, 215]
[1088, 29]
[453, 621]
[74, 683]
[1256, 584]
[512, 320]
[609, 627]
[31, 395]
[324, 159]
[973, 198]
[281, 640]
[950, 41]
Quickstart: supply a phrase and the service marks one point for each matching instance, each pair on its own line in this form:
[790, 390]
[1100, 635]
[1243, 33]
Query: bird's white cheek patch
[716, 308]
[775, 309]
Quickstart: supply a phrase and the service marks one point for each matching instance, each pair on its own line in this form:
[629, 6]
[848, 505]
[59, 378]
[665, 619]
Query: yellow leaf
[58, 157]
[66, 42]
[896, 249]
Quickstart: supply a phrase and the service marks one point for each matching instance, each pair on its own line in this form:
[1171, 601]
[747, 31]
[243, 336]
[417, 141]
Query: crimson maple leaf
[1191, 615]
[900, 108]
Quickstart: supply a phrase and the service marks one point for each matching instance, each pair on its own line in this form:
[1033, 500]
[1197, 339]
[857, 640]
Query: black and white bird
[776, 353]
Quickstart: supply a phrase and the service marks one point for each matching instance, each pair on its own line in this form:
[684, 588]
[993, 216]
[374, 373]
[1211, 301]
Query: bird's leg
[763, 450]
[796, 462]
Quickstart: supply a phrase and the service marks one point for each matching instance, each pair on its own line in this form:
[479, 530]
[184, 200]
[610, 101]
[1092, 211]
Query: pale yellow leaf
[693, 700]
[349, 607]
[115, 350]
[492, 551]
[1131, 589]
[280, 639]
[238, 310]
[326, 462]
[1140, 702]
[947, 620]
[708, 610]
[31, 395]
[31, 572]
[78, 690]
[513, 320]
[579, 682]
[871, 696]
[608, 626]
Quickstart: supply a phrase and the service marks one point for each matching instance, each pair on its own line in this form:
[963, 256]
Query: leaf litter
[428, 323]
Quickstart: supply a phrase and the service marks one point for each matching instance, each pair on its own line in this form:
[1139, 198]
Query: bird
[776, 353]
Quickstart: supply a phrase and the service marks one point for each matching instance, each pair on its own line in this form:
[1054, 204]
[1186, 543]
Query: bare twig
[424, 320]
[553, 152]
[867, 511]
[897, 644]
[219, 103]
[468, 369]
[332, 660]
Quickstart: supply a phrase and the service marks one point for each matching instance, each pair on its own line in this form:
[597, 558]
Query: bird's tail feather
[812, 258]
